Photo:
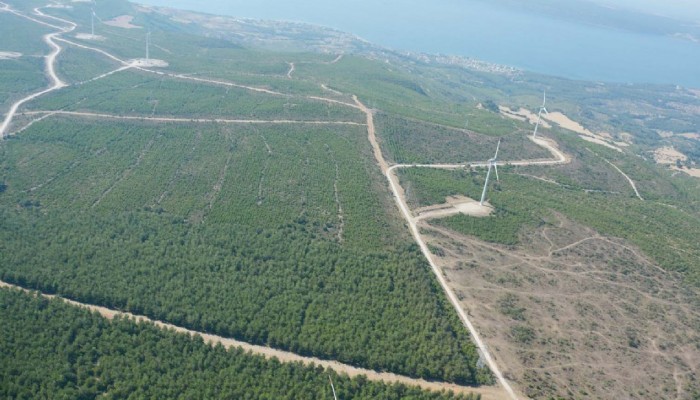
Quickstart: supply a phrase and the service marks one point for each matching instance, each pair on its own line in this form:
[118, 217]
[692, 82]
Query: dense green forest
[231, 229]
[52, 350]
[408, 141]
[142, 94]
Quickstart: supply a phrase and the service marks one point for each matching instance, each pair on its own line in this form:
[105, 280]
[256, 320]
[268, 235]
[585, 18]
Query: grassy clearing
[664, 233]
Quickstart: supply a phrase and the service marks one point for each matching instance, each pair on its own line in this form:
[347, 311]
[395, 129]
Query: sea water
[489, 32]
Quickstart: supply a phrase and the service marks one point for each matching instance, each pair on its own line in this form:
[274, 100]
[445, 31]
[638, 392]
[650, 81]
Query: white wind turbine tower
[92, 23]
[539, 115]
[148, 44]
[492, 163]
[333, 388]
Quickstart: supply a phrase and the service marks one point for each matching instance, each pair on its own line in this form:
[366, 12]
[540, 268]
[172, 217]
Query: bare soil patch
[122, 21]
[601, 138]
[454, 205]
[695, 136]
[668, 156]
[522, 115]
[88, 36]
[149, 63]
[9, 55]
[599, 141]
[694, 172]
[574, 314]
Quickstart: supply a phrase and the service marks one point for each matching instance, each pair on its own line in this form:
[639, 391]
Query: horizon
[581, 42]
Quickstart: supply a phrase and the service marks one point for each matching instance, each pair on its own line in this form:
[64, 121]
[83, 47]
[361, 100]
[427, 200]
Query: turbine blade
[498, 146]
[545, 110]
[495, 167]
[544, 99]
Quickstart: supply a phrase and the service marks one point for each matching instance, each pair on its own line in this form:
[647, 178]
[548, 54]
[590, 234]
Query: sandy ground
[89, 36]
[454, 205]
[123, 21]
[691, 135]
[668, 156]
[567, 123]
[601, 138]
[694, 172]
[8, 55]
[523, 115]
[149, 63]
[600, 141]
[487, 393]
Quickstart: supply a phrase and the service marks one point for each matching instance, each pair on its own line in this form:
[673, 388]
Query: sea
[489, 32]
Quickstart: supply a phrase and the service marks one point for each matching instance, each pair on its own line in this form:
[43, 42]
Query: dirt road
[634, 186]
[191, 120]
[56, 82]
[487, 393]
[406, 212]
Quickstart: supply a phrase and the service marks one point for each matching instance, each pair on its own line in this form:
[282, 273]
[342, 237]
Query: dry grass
[571, 313]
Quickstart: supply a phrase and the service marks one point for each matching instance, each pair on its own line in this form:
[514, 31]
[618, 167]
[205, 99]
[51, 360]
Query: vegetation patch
[52, 349]
[231, 230]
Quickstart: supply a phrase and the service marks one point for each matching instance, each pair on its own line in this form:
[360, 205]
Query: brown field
[574, 314]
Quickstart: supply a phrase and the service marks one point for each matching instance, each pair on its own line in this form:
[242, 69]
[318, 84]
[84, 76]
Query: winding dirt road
[56, 82]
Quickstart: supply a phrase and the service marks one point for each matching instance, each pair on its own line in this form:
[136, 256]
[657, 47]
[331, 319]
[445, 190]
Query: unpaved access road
[192, 120]
[56, 82]
[487, 393]
[406, 212]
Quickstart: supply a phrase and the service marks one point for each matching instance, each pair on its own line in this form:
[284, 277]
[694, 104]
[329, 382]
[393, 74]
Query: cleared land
[572, 313]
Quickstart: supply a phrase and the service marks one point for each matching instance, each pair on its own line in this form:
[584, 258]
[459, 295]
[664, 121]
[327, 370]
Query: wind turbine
[493, 163]
[92, 22]
[148, 43]
[332, 387]
[539, 115]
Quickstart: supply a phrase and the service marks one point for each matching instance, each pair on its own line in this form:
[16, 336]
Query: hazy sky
[682, 9]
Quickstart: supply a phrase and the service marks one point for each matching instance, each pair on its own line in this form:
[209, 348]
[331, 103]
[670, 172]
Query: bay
[490, 32]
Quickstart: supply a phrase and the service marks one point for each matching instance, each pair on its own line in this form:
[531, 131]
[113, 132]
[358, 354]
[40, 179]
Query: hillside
[245, 184]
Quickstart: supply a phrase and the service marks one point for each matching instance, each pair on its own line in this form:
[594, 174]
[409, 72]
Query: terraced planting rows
[232, 230]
